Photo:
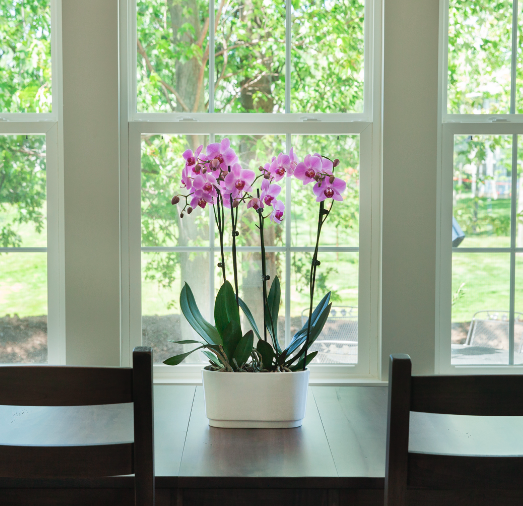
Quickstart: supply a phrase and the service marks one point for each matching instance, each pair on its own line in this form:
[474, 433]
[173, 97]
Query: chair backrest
[457, 395]
[85, 386]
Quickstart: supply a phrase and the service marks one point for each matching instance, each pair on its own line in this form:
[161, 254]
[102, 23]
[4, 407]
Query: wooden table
[336, 458]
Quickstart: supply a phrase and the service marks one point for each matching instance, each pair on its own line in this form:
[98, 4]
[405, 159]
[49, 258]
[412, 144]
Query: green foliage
[228, 350]
[326, 51]
[22, 186]
[480, 39]
[25, 56]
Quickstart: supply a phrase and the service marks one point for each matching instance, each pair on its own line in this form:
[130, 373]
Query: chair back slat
[65, 386]
[468, 395]
[66, 461]
[455, 472]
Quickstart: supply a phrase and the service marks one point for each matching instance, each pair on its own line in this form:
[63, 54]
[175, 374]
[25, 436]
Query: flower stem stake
[264, 269]
[219, 218]
[234, 220]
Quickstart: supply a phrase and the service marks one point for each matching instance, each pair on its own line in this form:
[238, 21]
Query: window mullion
[288, 225]
[288, 7]
[513, 57]
[211, 55]
[513, 223]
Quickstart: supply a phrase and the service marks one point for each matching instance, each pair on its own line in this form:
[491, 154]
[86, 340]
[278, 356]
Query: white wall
[91, 181]
[410, 119]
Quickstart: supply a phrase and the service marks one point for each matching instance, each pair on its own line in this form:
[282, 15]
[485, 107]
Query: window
[480, 288]
[29, 179]
[269, 76]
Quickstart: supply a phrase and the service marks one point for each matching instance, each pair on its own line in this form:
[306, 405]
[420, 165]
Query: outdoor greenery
[327, 76]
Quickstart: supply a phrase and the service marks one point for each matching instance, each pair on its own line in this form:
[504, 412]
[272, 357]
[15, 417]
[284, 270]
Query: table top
[342, 438]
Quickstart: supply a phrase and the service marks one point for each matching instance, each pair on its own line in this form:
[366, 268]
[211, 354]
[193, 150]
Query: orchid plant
[216, 178]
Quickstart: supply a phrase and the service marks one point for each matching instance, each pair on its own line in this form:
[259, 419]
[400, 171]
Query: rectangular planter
[255, 400]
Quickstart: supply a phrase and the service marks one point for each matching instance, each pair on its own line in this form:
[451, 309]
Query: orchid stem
[264, 272]
[312, 279]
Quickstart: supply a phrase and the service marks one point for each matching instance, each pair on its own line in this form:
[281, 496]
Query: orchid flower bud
[236, 203]
[197, 169]
[335, 163]
[175, 200]
[215, 163]
[331, 179]
[260, 168]
[189, 210]
[181, 215]
[267, 175]
[204, 171]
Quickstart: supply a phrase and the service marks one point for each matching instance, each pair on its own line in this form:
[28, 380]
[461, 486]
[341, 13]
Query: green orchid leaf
[244, 348]
[268, 319]
[225, 308]
[267, 353]
[248, 314]
[196, 320]
[179, 358]
[315, 315]
[213, 359]
[231, 336]
[299, 365]
[186, 341]
[273, 303]
[316, 329]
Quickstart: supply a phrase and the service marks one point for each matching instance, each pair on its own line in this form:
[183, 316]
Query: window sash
[445, 250]
[368, 264]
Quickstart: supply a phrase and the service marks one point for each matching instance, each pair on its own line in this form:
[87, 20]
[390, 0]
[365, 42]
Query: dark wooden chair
[85, 386]
[440, 479]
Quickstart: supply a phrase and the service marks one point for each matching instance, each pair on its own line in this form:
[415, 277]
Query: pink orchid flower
[201, 198]
[222, 153]
[328, 190]
[205, 183]
[186, 179]
[293, 163]
[279, 166]
[191, 159]
[307, 170]
[269, 192]
[255, 203]
[239, 180]
[326, 164]
[277, 212]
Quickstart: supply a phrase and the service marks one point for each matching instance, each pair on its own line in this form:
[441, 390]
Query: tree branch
[142, 51]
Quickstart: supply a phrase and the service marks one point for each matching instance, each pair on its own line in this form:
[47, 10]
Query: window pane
[480, 41]
[482, 189]
[250, 285]
[338, 273]
[172, 56]
[342, 226]
[480, 308]
[163, 276]
[25, 56]
[23, 308]
[518, 311]
[162, 165]
[253, 151]
[250, 56]
[327, 56]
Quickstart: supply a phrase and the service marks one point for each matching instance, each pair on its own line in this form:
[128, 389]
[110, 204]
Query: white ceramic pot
[255, 400]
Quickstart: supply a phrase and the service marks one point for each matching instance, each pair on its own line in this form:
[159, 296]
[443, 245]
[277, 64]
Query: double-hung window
[30, 272]
[481, 266]
[269, 76]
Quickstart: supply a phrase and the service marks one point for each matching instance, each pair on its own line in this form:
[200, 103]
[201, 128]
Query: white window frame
[50, 125]
[366, 124]
[451, 125]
